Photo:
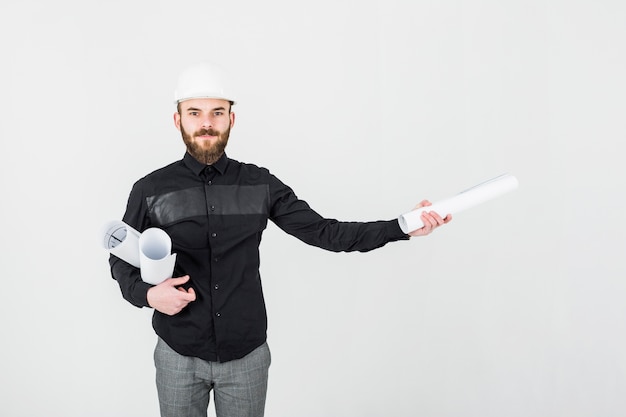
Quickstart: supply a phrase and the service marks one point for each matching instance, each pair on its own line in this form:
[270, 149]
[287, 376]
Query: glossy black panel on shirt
[172, 207]
[239, 199]
[223, 200]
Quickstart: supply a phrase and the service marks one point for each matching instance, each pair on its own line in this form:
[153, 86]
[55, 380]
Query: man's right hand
[168, 299]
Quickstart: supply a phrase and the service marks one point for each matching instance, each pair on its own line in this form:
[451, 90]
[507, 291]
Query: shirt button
[213, 234]
[216, 259]
[218, 314]
[212, 208]
[217, 286]
[209, 182]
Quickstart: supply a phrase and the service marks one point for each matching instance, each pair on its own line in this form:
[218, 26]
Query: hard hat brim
[180, 100]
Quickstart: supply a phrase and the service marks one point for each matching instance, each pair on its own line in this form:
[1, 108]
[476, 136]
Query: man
[210, 318]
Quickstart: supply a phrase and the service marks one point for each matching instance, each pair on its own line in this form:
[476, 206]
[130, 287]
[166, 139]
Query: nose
[206, 122]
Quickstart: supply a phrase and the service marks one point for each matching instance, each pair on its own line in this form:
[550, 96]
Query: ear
[232, 119]
[177, 120]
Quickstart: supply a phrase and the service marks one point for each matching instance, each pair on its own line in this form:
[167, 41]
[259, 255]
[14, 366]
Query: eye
[193, 113]
[218, 113]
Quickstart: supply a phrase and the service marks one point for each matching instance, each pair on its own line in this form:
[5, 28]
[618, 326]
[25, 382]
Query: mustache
[210, 132]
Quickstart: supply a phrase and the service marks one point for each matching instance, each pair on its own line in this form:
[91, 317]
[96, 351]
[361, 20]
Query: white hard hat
[203, 80]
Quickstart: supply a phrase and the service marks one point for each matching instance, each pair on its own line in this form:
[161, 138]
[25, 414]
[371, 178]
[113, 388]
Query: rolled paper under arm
[157, 264]
[149, 251]
[466, 199]
[122, 241]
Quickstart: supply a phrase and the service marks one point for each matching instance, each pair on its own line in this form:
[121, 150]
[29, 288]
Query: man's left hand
[430, 219]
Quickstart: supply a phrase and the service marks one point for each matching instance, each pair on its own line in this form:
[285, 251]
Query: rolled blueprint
[122, 241]
[466, 199]
[157, 263]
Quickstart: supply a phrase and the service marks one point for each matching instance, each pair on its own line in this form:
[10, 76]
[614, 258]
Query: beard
[204, 152]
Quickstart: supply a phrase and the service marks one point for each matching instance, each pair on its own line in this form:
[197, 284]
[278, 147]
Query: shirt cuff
[396, 231]
[140, 293]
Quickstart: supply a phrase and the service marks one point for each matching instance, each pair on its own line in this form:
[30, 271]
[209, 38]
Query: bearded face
[205, 125]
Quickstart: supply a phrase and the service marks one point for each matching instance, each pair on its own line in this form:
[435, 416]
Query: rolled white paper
[157, 264]
[466, 199]
[122, 241]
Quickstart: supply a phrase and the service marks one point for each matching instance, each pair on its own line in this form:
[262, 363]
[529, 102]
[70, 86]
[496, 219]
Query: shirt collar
[197, 167]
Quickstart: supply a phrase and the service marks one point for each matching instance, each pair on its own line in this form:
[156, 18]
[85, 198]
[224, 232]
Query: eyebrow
[196, 109]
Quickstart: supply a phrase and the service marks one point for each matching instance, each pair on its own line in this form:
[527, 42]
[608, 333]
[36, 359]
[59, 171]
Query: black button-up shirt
[215, 216]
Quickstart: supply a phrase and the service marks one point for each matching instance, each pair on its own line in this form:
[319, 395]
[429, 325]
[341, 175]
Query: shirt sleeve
[297, 218]
[133, 288]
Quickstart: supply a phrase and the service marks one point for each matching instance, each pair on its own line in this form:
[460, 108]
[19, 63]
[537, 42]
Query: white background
[364, 107]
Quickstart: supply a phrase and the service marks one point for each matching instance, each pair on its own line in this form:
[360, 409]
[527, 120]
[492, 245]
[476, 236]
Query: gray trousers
[184, 383]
